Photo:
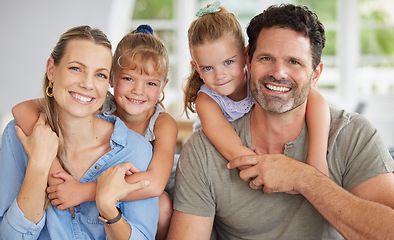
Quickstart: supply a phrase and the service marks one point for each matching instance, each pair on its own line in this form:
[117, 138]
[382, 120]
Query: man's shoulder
[341, 119]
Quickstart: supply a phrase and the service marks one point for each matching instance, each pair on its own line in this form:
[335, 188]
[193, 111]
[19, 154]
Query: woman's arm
[218, 129]
[318, 120]
[111, 186]
[160, 167]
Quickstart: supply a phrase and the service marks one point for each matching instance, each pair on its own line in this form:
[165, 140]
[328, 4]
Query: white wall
[29, 31]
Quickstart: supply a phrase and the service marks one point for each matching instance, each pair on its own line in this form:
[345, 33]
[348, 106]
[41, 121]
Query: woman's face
[80, 79]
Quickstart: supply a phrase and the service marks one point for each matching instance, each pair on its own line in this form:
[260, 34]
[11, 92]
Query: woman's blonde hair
[205, 29]
[49, 105]
[138, 48]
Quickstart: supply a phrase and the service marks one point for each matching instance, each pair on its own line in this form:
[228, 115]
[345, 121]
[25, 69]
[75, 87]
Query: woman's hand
[112, 186]
[42, 145]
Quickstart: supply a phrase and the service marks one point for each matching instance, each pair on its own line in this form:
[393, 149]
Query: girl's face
[135, 91]
[80, 79]
[221, 65]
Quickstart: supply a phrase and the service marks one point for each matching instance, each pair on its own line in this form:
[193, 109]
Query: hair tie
[144, 29]
[214, 7]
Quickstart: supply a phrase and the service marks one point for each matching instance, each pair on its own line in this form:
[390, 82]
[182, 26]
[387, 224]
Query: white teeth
[82, 98]
[135, 100]
[278, 89]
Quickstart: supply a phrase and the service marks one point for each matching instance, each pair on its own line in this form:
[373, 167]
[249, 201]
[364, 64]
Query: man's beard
[277, 104]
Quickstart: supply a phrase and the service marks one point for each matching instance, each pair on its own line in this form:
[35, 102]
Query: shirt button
[96, 167]
[73, 216]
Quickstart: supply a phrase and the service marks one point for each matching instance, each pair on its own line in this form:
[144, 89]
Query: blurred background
[358, 59]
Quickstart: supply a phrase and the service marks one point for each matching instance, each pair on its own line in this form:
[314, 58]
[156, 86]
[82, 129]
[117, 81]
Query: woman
[75, 84]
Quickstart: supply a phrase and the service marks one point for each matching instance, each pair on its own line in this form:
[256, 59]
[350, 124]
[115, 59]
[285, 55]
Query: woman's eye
[102, 75]
[75, 68]
[206, 69]
[228, 62]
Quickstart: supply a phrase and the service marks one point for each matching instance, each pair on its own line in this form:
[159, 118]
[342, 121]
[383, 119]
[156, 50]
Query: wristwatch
[113, 220]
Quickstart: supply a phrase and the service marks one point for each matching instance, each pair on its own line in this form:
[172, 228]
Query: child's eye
[228, 62]
[127, 79]
[152, 84]
[206, 69]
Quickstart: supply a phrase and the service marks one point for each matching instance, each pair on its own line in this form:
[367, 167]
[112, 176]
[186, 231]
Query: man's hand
[270, 172]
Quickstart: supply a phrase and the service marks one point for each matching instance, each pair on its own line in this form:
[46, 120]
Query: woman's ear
[50, 69]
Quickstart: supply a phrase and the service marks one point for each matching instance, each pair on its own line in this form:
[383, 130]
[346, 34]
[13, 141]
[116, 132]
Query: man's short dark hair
[297, 18]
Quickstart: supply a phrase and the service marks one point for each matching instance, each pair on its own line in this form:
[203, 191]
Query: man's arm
[187, 226]
[367, 215]
[361, 216]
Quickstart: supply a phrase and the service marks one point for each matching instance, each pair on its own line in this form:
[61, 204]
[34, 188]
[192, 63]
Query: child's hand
[68, 194]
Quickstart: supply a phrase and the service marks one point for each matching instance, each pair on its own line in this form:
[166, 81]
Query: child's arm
[72, 193]
[218, 129]
[318, 120]
[159, 170]
[26, 114]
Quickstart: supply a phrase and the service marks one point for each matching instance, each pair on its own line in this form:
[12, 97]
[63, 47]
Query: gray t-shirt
[205, 187]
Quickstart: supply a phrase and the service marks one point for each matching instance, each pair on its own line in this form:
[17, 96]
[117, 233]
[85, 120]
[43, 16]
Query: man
[212, 195]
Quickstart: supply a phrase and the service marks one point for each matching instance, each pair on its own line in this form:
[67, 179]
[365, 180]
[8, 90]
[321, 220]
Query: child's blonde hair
[208, 28]
[136, 49]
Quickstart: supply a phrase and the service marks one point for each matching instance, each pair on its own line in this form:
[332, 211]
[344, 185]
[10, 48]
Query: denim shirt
[126, 145]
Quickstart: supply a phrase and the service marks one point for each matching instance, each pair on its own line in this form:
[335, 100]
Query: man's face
[281, 70]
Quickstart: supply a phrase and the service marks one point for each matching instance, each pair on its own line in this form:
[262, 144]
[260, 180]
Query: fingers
[41, 119]
[138, 185]
[255, 185]
[242, 161]
[63, 175]
[20, 134]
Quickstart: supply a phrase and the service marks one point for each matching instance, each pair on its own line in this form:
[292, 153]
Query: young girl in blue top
[91, 148]
[218, 87]
[139, 75]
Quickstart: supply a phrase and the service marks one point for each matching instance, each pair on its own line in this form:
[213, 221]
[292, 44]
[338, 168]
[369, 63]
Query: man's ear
[316, 74]
[247, 57]
[50, 69]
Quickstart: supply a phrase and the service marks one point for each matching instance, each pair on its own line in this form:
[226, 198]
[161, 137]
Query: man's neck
[271, 131]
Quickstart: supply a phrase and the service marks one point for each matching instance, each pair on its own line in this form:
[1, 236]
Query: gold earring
[50, 86]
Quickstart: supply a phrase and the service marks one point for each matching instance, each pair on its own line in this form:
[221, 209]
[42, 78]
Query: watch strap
[111, 221]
